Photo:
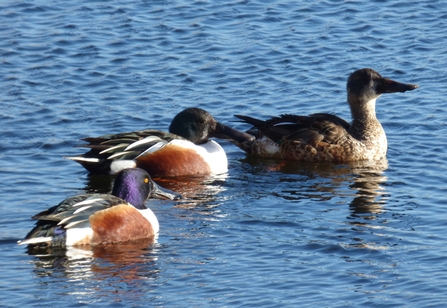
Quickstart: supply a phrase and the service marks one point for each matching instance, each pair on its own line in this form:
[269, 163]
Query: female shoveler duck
[326, 137]
[101, 218]
[185, 150]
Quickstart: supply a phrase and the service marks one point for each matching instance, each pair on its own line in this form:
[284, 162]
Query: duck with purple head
[101, 218]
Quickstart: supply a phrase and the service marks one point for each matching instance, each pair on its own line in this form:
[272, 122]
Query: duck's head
[197, 125]
[135, 186]
[366, 85]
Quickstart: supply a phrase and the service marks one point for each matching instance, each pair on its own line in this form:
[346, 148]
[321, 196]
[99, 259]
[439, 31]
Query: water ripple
[270, 233]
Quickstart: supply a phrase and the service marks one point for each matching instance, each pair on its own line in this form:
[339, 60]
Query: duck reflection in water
[131, 263]
[365, 178]
[371, 196]
[321, 192]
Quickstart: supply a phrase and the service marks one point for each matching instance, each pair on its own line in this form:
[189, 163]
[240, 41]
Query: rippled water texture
[269, 233]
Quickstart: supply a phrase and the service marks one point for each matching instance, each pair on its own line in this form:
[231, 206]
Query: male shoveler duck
[185, 150]
[101, 218]
[326, 137]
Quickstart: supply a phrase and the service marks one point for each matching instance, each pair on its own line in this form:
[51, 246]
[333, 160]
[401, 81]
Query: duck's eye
[146, 180]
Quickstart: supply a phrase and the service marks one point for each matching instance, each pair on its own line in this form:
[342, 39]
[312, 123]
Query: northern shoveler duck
[326, 137]
[101, 218]
[185, 150]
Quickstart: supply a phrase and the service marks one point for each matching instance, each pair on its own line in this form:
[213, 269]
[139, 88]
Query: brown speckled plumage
[326, 137]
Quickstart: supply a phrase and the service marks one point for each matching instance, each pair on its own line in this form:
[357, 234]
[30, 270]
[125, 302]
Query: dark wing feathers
[101, 143]
[64, 206]
[310, 129]
[75, 211]
[104, 149]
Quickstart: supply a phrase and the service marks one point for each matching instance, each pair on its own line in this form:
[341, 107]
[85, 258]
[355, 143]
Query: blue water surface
[268, 233]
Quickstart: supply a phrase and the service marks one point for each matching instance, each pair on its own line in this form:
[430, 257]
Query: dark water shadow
[99, 183]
